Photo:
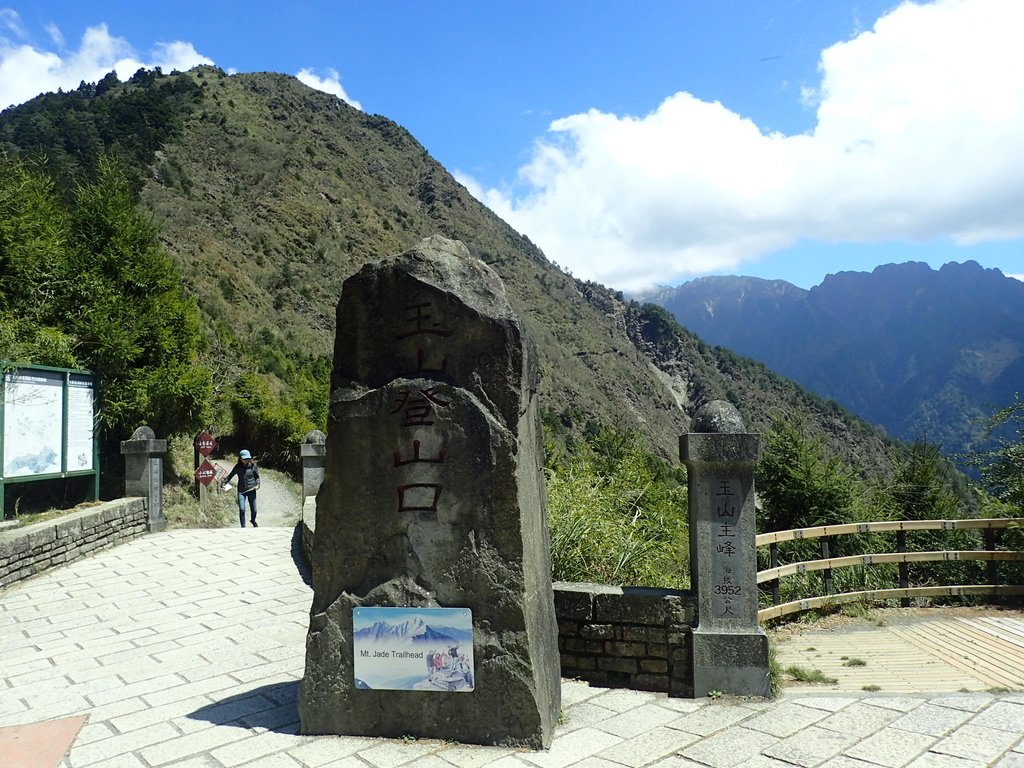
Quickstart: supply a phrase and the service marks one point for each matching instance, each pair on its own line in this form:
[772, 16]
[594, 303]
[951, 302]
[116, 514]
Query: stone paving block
[141, 688]
[859, 719]
[897, 703]
[710, 719]
[94, 732]
[931, 720]
[288, 666]
[147, 716]
[50, 705]
[115, 746]
[810, 746]
[784, 719]
[1005, 715]
[583, 716]
[588, 762]
[891, 747]
[684, 706]
[827, 703]
[735, 746]
[185, 690]
[428, 761]
[388, 753]
[648, 746]
[355, 762]
[969, 702]
[275, 719]
[842, 762]
[636, 721]
[569, 749]
[327, 749]
[121, 761]
[280, 760]
[200, 742]
[622, 699]
[936, 760]
[1010, 760]
[976, 742]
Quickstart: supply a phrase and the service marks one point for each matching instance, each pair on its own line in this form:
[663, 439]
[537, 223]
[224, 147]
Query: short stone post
[314, 459]
[144, 473]
[730, 650]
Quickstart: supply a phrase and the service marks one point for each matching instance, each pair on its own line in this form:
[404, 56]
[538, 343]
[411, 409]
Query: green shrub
[617, 516]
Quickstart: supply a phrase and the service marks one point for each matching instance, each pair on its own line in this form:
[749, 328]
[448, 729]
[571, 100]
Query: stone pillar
[730, 650]
[314, 459]
[431, 520]
[144, 473]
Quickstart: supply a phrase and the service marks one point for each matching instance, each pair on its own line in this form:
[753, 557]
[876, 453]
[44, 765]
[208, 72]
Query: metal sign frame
[72, 407]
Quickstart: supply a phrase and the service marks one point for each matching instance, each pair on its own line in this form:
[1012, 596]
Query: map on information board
[413, 649]
[33, 423]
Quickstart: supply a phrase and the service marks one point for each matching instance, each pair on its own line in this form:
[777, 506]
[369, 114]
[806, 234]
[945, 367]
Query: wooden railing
[902, 557]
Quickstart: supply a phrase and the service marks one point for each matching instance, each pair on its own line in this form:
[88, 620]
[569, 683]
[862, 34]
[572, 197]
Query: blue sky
[641, 142]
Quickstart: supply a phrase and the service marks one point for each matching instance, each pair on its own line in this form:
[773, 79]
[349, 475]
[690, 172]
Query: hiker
[248, 483]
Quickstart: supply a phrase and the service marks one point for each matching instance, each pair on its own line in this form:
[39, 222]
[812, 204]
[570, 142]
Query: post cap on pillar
[143, 440]
[314, 445]
[718, 416]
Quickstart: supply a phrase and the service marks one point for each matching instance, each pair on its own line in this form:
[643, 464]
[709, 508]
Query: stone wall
[31, 549]
[626, 637]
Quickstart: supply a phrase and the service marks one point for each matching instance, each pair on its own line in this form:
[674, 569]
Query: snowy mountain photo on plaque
[413, 649]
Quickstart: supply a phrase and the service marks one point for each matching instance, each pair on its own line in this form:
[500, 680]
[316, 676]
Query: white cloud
[330, 84]
[919, 135]
[26, 71]
[10, 22]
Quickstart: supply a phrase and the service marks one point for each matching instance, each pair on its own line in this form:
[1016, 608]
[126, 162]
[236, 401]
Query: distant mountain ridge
[924, 353]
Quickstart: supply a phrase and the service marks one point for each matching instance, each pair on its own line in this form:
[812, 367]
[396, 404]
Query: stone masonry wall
[32, 549]
[627, 637]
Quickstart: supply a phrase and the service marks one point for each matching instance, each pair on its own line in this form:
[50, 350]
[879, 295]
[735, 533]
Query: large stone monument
[432, 609]
[730, 650]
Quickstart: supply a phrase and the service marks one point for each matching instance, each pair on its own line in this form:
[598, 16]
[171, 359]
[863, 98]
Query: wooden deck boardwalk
[912, 652]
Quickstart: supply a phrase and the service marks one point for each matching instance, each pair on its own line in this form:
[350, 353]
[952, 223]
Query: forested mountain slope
[268, 194]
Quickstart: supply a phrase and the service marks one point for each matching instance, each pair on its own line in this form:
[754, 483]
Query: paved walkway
[185, 649]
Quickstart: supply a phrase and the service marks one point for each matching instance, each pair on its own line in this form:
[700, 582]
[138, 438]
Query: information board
[33, 423]
[81, 423]
[413, 649]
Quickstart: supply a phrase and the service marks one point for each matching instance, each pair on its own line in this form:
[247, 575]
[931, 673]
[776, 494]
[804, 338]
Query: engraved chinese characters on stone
[726, 565]
[418, 408]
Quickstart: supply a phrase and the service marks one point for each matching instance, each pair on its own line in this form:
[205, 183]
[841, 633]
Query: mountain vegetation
[927, 354]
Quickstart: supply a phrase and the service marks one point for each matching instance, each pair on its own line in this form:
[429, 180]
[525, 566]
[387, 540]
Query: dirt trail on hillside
[276, 505]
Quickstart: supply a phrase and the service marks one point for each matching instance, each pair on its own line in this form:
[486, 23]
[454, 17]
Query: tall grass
[617, 516]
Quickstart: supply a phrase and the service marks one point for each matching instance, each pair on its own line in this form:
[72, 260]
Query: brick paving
[185, 649]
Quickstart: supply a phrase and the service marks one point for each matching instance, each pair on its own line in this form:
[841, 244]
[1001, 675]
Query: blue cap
[245, 455]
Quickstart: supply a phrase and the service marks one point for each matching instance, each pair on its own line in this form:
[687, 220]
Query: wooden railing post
[773, 554]
[901, 547]
[991, 566]
[827, 573]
